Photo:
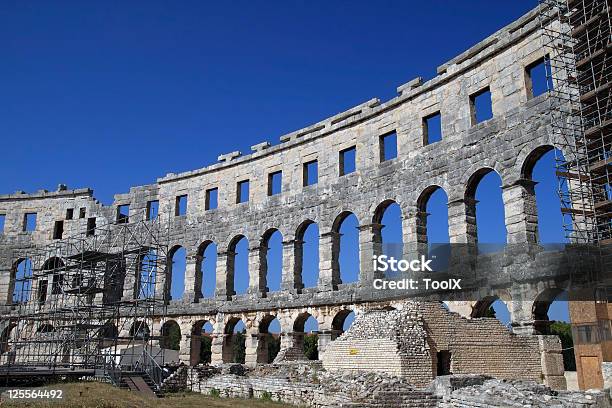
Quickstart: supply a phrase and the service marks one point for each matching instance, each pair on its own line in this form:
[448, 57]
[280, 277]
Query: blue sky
[111, 94]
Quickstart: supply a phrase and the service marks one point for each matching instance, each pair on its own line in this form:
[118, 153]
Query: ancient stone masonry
[510, 143]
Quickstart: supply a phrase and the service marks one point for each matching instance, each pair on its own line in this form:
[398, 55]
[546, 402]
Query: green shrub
[266, 396]
[215, 393]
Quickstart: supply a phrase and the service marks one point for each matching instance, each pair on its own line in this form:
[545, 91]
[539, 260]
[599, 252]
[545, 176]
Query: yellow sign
[353, 352]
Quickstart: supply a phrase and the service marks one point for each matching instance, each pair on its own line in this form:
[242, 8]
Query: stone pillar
[370, 244]
[185, 343]
[162, 284]
[325, 337]
[131, 281]
[414, 232]
[292, 266]
[521, 315]
[258, 269]
[251, 350]
[521, 212]
[225, 275]
[190, 294]
[462, 234]
[217, 349]
[551, 358]
[329, 268]
[7, 284]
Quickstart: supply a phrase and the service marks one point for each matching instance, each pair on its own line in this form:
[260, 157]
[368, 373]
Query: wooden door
[591, 372]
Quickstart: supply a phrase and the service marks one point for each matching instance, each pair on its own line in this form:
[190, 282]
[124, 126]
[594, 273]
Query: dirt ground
[99, 395]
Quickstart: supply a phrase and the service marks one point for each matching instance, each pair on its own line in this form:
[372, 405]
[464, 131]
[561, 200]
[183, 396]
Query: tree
[239, 347]
[311, 346]
[564, 331]
[171, 336]
[205, 349]
[490, 312]
[273, 347]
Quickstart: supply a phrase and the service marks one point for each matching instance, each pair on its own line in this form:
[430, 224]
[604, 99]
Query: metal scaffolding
[87, 305]
[577, 33]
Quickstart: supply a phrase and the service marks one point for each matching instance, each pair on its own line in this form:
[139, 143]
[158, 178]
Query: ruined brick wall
[392, 342]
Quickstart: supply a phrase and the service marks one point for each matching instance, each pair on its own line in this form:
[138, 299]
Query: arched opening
[485, 208]
[238, 265]
[53, 266]
[341, 322]
[147, 276]
[108, 334]
[345, 251]
[5, 338]
[268, 344]
[305, 335]
[542, 185]
[432, 226]
[234, 342]
[387, 231]
[170, 335]
[22, 289]
[206, 270]
[551, 316]
[307, 254]
[176, 271]
[492, 306]
[140, 330]
[272, 260]
[201, 343]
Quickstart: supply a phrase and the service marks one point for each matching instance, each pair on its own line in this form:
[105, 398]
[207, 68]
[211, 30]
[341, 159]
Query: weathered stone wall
[509, 144]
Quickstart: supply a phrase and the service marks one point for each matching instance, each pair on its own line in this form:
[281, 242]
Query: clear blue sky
[111, 94]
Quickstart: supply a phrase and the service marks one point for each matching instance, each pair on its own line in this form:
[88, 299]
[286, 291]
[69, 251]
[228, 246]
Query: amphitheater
[524, 275]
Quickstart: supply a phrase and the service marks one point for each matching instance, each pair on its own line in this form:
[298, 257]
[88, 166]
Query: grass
[100, 395]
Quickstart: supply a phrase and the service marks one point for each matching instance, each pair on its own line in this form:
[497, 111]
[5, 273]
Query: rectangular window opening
[242, 192]
[2, 221]
[42, 291]
[123, 214]
[311, 173]
[57, 283]
[432, 128]
[91, 226]
[538, 77]
[180, 207]
[58, 230]
[347, 160]
[275, 183]
[388, 146]
[212, 198]
[82, 211]
[481, 106]
[152, 210]
[29, 222]
[70, 213]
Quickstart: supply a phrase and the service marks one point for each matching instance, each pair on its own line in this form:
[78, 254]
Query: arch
[171, 335]
[147, 276]
[345, 248]
[305, 335]
[342, 321]
[542, 305]
[307, 254]
[5, 338]
[234, 341]
[22, 281]
[206, 270]
[140, 330]
[201, 342]
[271, 260]
[238, 265]
[387, 229]
[485, 208]
[541, 189]
[492, 306]
[177, 265]
[268, 344]
[432, 226]
[56, 265]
